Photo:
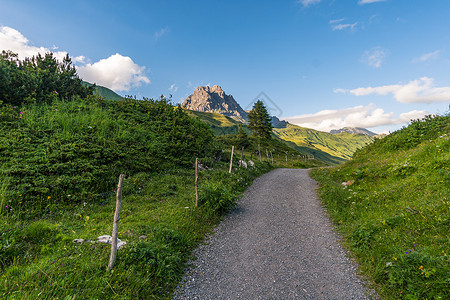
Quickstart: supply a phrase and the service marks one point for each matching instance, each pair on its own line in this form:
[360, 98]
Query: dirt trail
[277, 244]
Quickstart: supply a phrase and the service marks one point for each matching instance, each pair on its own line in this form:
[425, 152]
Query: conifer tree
[259, 121]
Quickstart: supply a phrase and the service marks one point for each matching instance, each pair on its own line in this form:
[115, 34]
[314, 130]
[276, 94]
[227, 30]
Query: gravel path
[277, 244]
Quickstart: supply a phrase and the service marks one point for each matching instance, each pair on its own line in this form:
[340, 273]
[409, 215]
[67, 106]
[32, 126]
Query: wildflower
[421, 268]
[48, 197]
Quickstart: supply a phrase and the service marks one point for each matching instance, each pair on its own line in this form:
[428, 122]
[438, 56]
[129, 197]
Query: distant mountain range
[353, 130]
[222, 112]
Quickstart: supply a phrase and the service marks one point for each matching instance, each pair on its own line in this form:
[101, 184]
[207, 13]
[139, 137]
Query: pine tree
[259, 121]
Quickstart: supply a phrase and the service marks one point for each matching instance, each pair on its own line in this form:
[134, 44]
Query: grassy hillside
[105, 92]
[395, 209]
[332, 149]
[339, 147]
[59, 168]
[219, 124]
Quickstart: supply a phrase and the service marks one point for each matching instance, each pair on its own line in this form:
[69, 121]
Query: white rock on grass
[243, 163]
[107, 239]
[251, 163]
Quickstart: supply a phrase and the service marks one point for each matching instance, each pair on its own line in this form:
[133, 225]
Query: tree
[259, 121]
[41, 78]
[241, 138]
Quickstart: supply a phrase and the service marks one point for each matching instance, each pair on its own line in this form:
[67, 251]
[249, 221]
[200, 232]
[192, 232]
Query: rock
[353, 130]
[243, 164]
[277, 123]
[143, 237]
[251, 163]
[78, 241]
[107, 239]
[213, 99]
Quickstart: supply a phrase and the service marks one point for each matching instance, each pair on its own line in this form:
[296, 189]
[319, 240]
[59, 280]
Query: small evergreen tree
[259, 121]
[241, 138]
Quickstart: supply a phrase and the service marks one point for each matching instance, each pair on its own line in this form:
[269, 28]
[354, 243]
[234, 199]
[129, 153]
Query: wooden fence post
[115, 231]
[242, 157]
[286, 157]
[259, 151]
[267, 154]
[196, 182]
[271, 156]
[231, 160]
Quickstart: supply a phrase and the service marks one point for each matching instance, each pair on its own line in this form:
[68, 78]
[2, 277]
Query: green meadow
[394, 209]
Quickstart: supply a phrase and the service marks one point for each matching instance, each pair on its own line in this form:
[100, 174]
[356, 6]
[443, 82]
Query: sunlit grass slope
[395, 209]
[339, 146]
[219, 124]
[332, 149]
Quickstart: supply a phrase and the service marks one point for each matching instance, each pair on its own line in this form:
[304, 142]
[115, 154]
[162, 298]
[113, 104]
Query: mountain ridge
[353, 130]
[215, 100]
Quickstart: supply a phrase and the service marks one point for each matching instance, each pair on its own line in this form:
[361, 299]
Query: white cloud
[117, 72]
[336, 21]
[161, 32]
[344, 26]
[173, 88]
[11, 39]
[416, 91]
[358, 116]
[374, 57]
[308, 2]
[337, 24]
[361, 2]
[427, 56]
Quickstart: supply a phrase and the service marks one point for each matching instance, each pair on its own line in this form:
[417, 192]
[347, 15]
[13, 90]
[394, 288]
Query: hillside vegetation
[330, 148]
[62, 148]
[104, 92]
[219, 124]
[394, 209]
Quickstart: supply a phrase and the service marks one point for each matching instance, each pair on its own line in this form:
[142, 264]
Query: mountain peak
[353, 130]
[214, 99]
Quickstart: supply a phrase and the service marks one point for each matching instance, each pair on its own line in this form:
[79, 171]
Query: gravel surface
[277, 244]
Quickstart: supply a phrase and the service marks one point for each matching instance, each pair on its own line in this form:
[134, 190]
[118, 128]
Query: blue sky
[321, 64]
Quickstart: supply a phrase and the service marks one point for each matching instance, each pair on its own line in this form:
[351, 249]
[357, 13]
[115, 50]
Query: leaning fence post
[259, 151]
[242, 157]
[196, 181]
[271, 156]
[115, 231]
[231, 160]
[286, 157]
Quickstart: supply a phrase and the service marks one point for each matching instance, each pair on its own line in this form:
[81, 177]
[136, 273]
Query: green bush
[74, 150]
[217, 197]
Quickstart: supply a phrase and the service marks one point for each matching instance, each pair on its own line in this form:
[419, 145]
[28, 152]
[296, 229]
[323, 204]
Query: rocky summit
[214, 99]
[353, 130]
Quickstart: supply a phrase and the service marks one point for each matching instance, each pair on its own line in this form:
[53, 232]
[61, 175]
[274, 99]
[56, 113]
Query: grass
[333, 149]
[158, 221]
[395, 210]
[330, 148]
[60, 165]
[220, 124]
